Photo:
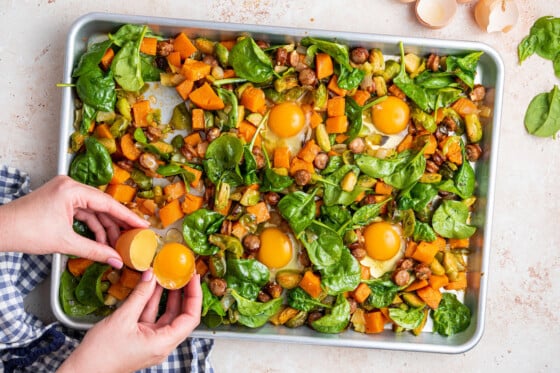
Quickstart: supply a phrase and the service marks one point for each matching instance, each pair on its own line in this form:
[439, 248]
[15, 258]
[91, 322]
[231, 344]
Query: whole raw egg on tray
[310, 184]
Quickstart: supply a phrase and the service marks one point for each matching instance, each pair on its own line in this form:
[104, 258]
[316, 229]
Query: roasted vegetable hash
[319, 185]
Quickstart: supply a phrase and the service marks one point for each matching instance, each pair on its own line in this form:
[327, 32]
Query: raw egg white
[385, 245]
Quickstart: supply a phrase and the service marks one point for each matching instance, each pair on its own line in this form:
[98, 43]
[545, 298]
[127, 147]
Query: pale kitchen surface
[522, 331]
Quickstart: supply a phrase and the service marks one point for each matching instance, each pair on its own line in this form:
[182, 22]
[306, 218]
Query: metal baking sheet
[490, 74]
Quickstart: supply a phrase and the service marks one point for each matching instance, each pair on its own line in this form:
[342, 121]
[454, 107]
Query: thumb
[96, 251]
[140, 296]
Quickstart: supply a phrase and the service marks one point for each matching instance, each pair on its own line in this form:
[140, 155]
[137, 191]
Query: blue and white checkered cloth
[26, 343]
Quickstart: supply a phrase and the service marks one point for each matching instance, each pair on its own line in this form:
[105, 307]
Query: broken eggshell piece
[435, 13]
[496, 15]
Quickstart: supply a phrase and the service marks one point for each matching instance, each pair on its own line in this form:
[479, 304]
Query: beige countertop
[522, 330]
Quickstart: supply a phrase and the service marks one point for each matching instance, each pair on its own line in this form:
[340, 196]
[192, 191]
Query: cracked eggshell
[496, 15]
[435, 13]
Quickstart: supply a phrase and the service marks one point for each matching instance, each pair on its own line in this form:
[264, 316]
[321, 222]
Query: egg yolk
[382, 240]
[390, 116]
[286, 119]
[276, 248]
[174, 265]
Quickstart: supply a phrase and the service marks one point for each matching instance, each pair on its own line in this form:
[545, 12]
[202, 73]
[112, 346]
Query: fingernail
[147, 275]
[115, 263]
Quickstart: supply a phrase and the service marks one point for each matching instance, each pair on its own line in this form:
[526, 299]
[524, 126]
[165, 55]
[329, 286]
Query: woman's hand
[132, 337]
[41, 222]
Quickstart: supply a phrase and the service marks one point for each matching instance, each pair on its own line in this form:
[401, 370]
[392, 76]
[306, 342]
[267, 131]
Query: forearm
[11, 237]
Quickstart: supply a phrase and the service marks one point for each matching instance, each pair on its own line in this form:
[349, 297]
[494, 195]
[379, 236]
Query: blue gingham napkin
[26, 343]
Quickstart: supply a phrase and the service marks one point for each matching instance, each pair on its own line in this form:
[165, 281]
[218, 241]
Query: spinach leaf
[149, 69]
[338, 52]
[380, 167]
[324, 246]
[97, 89]
[232, 108]
[274, 182]
[542, 117]
[410, 172]
[210, 302]
[547, 30]
[464, 67]
[335, 321]
[408, 319]
[434, 80]
[198, 226]
[127, 65]
[452, 316]
[335, 217]
[93, 167]
[249, 170]
[343, 275]
[222, 160]
[70, 304]
[406, 84]
[174, 169]
[250, 62]
[349, 79]
[450, 219]
[250, 270]
[383, 291]
[246, 289]
[87, 114]
[400, 171]
[88, 290]
[348, 76]
[130, 32]
[367, 213]
[527, 47]
[423, 232]
[464, 178]
[544, 40]
[82, 229]
[417, 197]
[246, 276]
[300, 300]
[255, 314]
[91, 58]
[333, 192]
[354, 114]
[298, 208]
[334, 163]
